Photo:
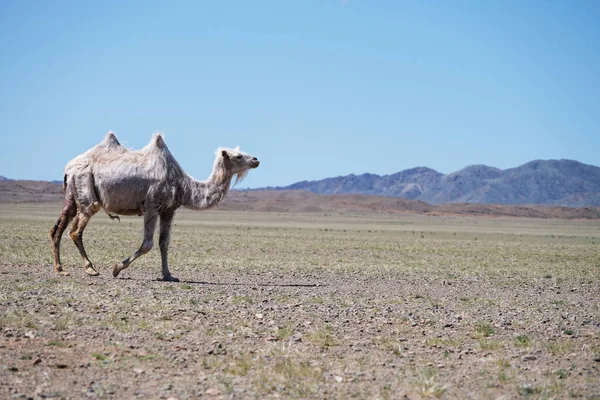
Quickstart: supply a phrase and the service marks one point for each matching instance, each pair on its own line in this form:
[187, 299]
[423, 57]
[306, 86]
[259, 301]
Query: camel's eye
[239, 157]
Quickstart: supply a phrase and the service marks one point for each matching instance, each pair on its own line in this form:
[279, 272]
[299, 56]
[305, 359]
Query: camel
[148, 182]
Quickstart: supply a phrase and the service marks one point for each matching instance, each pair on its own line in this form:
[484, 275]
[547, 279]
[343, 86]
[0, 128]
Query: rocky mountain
[545, 182]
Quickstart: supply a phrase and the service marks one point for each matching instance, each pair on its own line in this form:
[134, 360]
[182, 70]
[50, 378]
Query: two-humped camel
[146, 182]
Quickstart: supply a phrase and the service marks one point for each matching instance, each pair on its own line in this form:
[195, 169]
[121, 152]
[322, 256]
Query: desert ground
[303, 305]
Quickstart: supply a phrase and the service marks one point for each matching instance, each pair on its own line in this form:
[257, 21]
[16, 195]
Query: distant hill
[298, 201]
[3, 178]
[544, 182]
[16, 191]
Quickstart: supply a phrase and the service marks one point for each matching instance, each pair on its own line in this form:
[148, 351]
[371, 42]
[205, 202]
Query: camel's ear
[225, 154]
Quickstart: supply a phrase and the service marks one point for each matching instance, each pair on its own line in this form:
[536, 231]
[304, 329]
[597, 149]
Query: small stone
[339, 379]
[138, 371]
[213, 391]
[49, 395]
[30, 334]
[258, 316]
[61, 366]
[529, 358]
[297, 337]
[36, 361]
[271, 338]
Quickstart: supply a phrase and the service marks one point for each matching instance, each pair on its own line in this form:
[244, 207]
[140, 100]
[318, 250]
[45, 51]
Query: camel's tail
[65, 184]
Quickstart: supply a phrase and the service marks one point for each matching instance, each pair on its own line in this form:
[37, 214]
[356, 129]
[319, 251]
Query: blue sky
[312, 88]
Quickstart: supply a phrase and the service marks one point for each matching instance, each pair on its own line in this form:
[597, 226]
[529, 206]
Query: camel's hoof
[116, 270]
[169, 278]
[91, 271]
[62, 273]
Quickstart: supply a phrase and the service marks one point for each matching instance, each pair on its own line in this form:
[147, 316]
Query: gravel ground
[305, 307]
[324, 335]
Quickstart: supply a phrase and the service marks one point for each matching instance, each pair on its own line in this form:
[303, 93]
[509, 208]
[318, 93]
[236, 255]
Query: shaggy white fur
[148, 182]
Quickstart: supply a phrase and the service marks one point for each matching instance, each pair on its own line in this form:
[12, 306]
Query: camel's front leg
[166, 221]
[149, 226]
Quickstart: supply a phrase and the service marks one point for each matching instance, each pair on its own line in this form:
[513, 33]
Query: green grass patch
[483, 330]
[523, 341]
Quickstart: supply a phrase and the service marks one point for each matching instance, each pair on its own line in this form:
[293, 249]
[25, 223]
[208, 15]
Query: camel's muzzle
[254, 163]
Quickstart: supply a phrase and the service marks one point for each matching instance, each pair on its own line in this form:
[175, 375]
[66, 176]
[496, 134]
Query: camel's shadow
[252, 284]
[209, 283]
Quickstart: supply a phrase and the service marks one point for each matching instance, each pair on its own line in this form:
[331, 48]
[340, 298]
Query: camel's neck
[206, 194]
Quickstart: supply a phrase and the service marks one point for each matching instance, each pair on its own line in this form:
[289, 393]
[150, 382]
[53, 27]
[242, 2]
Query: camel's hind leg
[79, 224]
[150, 218]
[68, 212]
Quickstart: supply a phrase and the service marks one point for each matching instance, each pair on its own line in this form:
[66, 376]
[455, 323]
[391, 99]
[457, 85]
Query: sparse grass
[116, 321]
[488, 344]
[483, 330]
[241, 365]
[562, 374]
[283, 298]
[64, 321]
[441, 342]
[505, 376]
[242, 300]
[506, 373]
[427, 384]
[523, 341]
[284, 332]
[527, 390]
[15, 318]
[379, 322]
[323, 336]
[560, 346]
[390, 345]
[101, 357]
[210, 362]
[503, 363]
[292, 378]
[31, 325]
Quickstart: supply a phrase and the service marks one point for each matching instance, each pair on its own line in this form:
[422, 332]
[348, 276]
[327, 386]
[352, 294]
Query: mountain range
[544, 182]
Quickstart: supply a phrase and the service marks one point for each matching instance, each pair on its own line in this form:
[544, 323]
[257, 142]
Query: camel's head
[237, 162]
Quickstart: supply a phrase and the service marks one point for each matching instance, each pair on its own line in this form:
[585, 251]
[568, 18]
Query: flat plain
[313, 305]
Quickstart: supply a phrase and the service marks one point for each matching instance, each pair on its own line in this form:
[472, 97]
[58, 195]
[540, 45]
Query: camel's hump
[158, 141]
[111, 139]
